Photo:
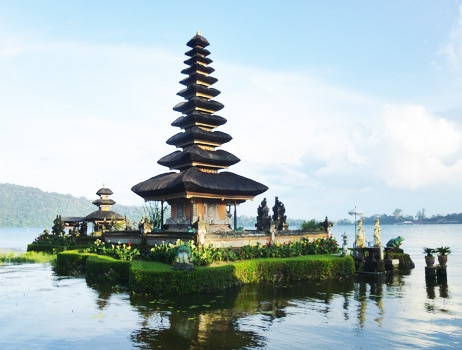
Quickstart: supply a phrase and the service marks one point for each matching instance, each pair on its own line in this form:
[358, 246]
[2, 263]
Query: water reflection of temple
[225, 321]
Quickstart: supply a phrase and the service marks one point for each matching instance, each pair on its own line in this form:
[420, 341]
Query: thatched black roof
[185, 158]
[101, 215]
[72, 219]
[101, 201]
[197, 57]
[198, 41]
[197, 67]
[198, 52]
[199, 135]
[193, 78]
[192, 180]
[104, 191]
[198, 118]
[194, 89]
[193, 103]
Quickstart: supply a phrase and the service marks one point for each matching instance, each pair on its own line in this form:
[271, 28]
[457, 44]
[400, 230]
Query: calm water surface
[43, 311]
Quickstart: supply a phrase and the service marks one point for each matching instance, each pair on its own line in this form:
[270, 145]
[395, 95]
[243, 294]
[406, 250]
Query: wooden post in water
[436, 272]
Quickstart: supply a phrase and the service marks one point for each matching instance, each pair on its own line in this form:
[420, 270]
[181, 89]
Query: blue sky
[331, 104]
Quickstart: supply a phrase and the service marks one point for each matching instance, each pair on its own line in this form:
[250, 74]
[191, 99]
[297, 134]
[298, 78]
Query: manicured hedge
[71, 263]
[159, 279]
[162, 279]
[97, 268]
[104, 269]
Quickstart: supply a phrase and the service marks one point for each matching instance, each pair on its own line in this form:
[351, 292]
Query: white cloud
[10, 48]
[452, 49]
[419, 149]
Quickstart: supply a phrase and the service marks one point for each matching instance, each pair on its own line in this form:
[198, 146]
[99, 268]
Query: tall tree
[397, 213]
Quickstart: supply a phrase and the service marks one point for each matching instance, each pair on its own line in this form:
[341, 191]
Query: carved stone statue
[395, 242]
[279, 217]
[377, 242]
[326, 225]
[360, 241]
[263, 218]
[345, 244]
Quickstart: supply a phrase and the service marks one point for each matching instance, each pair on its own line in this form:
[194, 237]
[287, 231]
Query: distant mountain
[22, 206]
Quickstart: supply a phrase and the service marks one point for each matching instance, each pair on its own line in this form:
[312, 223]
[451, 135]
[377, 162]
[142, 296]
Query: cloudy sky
[331, 104]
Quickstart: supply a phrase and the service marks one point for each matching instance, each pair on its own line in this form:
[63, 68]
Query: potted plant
[443, 253]
[429, 258]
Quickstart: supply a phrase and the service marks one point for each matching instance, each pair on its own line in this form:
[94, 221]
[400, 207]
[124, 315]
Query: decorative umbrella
[355, 212]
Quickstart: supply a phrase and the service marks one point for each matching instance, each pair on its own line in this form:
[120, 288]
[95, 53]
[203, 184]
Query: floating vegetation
[26, 258]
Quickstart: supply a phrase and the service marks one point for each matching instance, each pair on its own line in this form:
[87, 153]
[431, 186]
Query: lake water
[40, 310]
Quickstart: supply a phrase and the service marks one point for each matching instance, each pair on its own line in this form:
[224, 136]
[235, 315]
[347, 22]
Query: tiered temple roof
[104, 204]
[198, 161]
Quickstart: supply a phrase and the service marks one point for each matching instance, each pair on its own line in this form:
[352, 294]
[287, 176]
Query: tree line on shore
[22, 206]
[455, 218]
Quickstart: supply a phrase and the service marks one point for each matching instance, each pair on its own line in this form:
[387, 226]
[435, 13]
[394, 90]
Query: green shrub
[125, 252]
[289, 249]
[71, 263]
[107, 270]
[162, 279]
[164, 253]
[310, 226]
[303, 268]
[54, 239]
[206, 255]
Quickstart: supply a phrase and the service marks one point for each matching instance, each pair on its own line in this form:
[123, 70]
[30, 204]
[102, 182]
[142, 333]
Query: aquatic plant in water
[26, 258]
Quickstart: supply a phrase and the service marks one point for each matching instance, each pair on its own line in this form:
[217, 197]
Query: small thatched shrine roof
[101, 215]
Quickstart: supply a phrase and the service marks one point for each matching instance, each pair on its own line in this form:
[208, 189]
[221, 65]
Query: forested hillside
[22, 206]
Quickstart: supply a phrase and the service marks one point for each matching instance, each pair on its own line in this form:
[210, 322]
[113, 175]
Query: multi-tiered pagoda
[104, 217]
[199, 191]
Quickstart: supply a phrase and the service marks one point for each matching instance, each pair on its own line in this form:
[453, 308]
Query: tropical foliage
[153, 213]
[119, 251]
[206, 255]
[55, 239]
[443, 251]
[428, 251]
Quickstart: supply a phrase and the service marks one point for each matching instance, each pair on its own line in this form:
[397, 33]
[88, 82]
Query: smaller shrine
[102, 220]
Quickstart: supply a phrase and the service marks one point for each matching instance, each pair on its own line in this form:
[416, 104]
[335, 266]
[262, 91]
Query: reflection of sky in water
[399, 312]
